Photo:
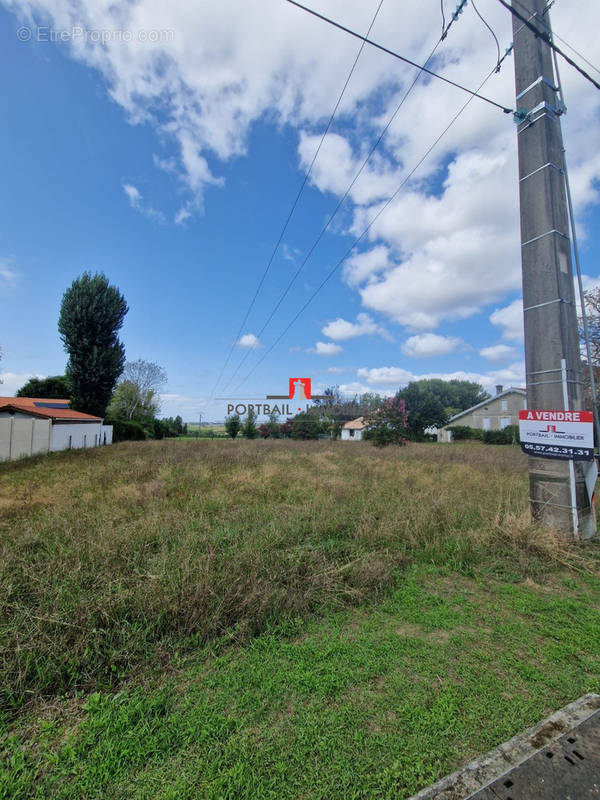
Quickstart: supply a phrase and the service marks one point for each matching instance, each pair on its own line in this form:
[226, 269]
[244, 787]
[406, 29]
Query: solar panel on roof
[51, 405]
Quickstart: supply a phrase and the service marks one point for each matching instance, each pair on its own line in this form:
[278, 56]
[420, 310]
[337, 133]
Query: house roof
[355, 424]
[510, 390]
[46, 408]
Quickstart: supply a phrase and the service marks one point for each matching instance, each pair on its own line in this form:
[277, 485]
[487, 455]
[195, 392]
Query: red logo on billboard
[299, 387]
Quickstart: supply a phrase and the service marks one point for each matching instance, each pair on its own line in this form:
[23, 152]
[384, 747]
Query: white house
[30, 425]
[353, 431]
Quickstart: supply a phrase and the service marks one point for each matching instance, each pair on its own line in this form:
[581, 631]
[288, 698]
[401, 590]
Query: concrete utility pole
[559, 496]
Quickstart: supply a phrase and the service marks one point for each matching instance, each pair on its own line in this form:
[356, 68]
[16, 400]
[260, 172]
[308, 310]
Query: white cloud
[455, 252]
[386, 376]
[336, 370]
[327, 349]
[133, 195]
[9, 277]
[338, 164]
[182, 215]
[136, 202]
[355, 387]
[510, 320]
[364, 266]
[513, 375]
[429, 344]
[11, 382]
[497, 352]
[250, 341]
[436, 253]
[341, 330]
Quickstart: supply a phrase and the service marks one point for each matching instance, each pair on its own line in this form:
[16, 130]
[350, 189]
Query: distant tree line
[408, 415]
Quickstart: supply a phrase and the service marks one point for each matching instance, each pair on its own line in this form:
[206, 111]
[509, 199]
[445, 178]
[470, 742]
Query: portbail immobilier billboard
[298, 398]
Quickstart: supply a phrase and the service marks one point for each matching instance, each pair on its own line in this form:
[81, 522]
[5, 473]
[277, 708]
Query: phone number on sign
[556, 451]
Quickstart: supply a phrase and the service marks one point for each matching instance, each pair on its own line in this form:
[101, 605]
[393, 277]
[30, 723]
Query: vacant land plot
[277, 619]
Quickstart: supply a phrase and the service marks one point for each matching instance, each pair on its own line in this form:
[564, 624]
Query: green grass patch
[375, 702]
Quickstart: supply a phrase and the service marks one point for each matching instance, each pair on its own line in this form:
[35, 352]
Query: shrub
[387, 424]
[249, 428]
[233, 425]
[305, 426]
[462, 432]
[508, 435]
[126, 431]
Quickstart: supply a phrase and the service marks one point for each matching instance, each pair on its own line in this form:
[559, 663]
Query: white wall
[107, 434]
[23, 436]
[76, 435]
[347, 438]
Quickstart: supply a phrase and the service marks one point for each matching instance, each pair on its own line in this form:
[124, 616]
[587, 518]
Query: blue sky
[172, 166]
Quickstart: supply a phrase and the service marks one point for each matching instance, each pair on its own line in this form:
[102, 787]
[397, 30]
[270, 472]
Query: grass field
[183, 619]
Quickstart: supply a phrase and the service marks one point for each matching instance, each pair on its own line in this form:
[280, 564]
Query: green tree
[454, 395]
[128, 403]
[388, 422]
[56, 386]
[431, 402]
[91, 314]
[233, 425]
[249, 428]
[425, 409]
[305, 426]
[273, 426]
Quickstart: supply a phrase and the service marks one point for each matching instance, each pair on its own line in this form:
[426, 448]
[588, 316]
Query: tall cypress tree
[91, 314]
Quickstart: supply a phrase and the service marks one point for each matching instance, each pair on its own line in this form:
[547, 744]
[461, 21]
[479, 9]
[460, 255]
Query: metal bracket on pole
[539, 80]
[540, 169]
[548, 302]
[541, 236]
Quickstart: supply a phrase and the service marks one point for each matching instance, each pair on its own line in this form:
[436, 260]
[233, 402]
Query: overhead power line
[489, 27]
[295, 202]
[401, 58]
[341, 201]
[560, 38]
[366, 230]
[545, 36]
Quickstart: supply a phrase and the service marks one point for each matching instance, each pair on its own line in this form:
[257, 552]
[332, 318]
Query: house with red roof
[32, 425]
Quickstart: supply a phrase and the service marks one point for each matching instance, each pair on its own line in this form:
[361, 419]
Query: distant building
[353, 431]
[30, 425]
[494, 414]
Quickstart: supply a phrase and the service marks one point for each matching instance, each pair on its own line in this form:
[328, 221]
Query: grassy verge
[371, 703]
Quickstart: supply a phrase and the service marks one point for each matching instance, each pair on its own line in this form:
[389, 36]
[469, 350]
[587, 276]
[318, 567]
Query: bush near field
[509, 435]
[113, 559]
[464, 433]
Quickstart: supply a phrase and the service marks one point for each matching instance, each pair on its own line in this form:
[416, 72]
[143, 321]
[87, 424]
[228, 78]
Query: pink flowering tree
[388, 423]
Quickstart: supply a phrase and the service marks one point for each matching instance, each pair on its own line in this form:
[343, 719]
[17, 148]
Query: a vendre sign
[557, 434]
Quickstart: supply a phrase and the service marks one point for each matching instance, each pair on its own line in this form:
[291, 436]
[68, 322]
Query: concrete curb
[487, 768]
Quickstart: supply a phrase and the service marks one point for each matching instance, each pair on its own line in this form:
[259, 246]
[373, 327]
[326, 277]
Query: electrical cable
[295, 202]
[556, 36]
[348, 190]
[443, 17]
[545, 37]
[401, 58]
[370, 225]
[489, 27]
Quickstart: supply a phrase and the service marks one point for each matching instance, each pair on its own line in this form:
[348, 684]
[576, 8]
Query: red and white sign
[557, 434]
